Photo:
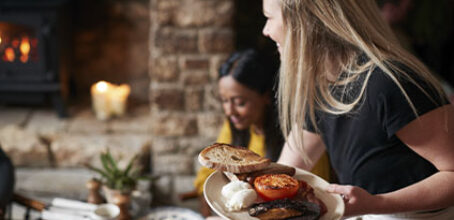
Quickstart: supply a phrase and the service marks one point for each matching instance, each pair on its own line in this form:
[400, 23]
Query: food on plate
[280, 195]
[273, 168]
[306, 193]
[241, 199]
[239, 195]
[276, 186]
[234, 186]
[284, 209]
[234, 159]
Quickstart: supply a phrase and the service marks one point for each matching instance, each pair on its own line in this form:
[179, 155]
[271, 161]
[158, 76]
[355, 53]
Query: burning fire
[17, 48]
[24, 49]
[9, 54]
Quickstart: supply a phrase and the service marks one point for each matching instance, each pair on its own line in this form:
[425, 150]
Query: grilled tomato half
[276, 186]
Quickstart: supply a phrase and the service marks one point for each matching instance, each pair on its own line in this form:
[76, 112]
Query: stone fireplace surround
[188, 39]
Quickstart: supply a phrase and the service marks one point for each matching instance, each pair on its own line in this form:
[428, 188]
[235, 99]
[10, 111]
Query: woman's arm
[432, 137]
[292, 150]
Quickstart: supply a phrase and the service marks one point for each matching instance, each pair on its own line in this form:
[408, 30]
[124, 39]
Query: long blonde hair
[324, 38]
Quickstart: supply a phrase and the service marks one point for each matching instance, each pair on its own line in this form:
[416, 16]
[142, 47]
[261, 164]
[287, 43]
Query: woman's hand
[357, 200]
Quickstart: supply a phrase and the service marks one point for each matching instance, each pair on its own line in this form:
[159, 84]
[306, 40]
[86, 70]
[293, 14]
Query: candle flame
[102, 86]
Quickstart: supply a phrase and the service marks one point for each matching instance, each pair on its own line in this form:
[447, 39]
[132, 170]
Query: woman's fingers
[340, 189]
[357, 200]
[345, 191]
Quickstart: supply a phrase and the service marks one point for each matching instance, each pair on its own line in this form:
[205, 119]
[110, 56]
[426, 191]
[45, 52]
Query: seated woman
[246, 82]
[6, 181]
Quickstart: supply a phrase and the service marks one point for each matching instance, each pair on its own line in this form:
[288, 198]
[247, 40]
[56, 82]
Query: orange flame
[25, 46]
[9, 54]
[24, 49]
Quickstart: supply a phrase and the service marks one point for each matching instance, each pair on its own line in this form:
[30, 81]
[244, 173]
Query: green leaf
[101, 172]
[105, 162]
[111, 160]
[130, 164]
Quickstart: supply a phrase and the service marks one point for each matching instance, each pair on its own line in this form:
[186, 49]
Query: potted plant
[115, 180]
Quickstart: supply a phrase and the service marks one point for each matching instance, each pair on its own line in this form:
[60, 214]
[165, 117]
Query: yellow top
[256, 144]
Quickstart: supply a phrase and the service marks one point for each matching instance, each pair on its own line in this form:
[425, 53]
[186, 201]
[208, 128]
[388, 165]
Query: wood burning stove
[34, 52]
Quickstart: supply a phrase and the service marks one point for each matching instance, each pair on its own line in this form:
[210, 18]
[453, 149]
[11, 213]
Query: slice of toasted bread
[232, 159]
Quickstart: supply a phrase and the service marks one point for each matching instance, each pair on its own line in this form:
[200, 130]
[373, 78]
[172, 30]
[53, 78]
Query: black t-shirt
[362, 144]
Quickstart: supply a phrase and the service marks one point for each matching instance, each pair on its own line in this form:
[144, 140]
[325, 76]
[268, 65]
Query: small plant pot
[110, 194]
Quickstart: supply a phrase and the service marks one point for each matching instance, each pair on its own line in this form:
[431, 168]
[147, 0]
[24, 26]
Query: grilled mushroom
[285, 209]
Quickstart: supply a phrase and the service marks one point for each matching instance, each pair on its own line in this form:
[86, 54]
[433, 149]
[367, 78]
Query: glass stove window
[18, 43]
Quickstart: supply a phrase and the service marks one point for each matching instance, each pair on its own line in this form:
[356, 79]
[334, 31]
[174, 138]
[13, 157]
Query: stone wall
[188, 41]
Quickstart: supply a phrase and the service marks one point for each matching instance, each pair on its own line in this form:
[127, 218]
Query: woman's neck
[258, 129]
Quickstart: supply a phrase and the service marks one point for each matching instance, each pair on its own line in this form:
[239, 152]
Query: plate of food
[246, 186]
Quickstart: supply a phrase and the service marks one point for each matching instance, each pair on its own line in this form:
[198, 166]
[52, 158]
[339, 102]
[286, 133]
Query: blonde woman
[347, 87]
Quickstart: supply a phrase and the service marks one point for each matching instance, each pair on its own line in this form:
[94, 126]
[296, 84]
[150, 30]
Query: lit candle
[109, 99]
[118, 99]
[100, 99]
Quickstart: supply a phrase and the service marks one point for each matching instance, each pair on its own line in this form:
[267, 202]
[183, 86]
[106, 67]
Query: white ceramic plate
[215, 182]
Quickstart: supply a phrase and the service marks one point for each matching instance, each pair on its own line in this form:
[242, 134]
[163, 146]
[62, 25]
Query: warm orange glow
[0, 39]
[9, 54]
[23, 58]
[15, 42]
[102, 86]
[25, 46]
[24, 49]
[34, 42]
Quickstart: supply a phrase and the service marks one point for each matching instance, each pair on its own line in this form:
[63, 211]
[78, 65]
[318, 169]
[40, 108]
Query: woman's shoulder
[401, 84]
[400, 77]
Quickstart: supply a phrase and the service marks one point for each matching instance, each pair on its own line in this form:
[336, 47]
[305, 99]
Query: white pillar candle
[100, 94]
[118, 99]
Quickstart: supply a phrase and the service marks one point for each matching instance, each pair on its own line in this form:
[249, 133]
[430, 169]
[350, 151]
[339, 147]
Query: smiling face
[274, 27]
[243, 106]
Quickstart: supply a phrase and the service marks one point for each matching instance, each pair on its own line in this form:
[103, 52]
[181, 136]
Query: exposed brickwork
[216, 40]
[193, 37]
[194, 13]
[168, 99]
[190, 63]
[172, 41]
[174, 125]
[194, 99]
[195, 78]
[164, 69]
